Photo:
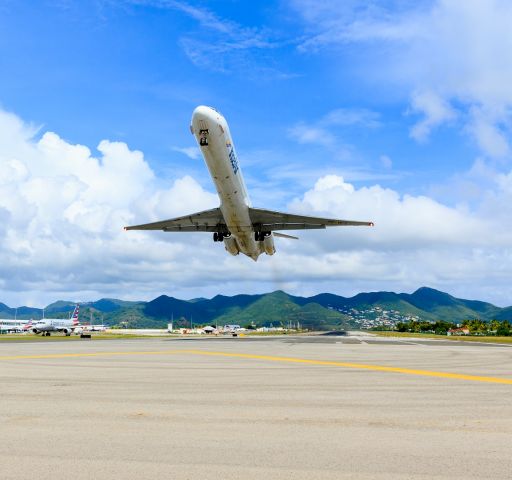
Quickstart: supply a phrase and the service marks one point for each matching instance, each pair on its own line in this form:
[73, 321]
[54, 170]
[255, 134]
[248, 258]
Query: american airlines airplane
[10, 325]
[48, 325]
[235, 222]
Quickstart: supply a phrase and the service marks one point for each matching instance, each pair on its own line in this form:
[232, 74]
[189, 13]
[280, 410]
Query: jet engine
[230, 245]
[268, 245]
[67, 331]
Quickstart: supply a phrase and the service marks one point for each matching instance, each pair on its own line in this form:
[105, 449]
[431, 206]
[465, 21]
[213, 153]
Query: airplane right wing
[268, 220]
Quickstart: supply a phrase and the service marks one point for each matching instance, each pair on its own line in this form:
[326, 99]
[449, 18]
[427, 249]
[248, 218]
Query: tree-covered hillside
[323, 311]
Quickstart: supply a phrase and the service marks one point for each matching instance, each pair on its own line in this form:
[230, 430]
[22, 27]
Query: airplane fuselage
[53, 325]
[212, 134]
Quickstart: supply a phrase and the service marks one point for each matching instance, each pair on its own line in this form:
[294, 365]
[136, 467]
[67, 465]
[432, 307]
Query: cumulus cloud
[62, 209]
[445, 52]
[416, 240]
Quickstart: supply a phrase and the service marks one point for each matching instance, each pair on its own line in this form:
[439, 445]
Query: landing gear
[260, 236]
[219, 236]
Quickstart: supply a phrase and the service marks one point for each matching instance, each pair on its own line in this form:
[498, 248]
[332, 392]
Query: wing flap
[271, 220]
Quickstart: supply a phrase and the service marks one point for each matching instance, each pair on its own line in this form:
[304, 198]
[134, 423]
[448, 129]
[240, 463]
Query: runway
[334, 407]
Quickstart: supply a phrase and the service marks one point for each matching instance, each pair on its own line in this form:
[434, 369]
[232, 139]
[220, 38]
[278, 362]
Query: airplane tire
[215, 237]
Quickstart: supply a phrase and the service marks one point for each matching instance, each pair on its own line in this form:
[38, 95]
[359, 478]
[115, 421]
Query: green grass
[72, 338]
[446, 337]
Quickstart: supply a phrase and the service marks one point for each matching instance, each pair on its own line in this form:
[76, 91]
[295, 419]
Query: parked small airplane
[14, 326]
[48, 325]
[90, 328]
[236, 223]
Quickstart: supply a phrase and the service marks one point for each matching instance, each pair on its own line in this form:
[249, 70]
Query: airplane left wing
[269, 220]
[205, 221]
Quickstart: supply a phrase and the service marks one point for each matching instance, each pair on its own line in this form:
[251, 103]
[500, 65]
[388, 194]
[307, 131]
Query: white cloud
[304, 133]
[190, 152]
[223, 45]
[416, 240]
[454, 52]
[63, 213]
[436, 111]
[325, 131]
[351, 116]
[62, 210]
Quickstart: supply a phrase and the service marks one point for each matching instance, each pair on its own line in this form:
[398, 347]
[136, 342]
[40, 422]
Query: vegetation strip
[360, 366]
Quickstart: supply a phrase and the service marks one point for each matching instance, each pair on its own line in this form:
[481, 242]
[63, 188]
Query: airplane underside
[252, 244]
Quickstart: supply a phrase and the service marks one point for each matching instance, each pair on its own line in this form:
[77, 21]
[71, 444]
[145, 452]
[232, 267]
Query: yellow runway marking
[78, 355]
[359, 366]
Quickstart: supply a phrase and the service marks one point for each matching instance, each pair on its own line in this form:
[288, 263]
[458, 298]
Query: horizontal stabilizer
[283, 235]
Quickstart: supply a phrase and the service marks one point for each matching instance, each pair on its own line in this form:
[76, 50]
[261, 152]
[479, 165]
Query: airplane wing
[205, 221]
[262, 220]
[268, 220]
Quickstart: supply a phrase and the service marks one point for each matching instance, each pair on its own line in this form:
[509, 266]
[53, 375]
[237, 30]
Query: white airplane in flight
[48, 325]
[236, 223]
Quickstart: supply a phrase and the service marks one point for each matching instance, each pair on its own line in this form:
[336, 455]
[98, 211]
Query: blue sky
[411, 98]
[134, 71]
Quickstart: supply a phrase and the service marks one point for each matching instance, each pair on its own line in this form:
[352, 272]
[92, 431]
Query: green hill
[323, 311]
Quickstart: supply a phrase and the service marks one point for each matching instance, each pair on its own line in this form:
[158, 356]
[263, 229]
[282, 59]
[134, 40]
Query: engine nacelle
[67, 331]
[231, 246]
[268, 245]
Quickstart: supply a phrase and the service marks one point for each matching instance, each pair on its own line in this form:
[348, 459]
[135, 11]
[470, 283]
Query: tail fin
[75, 314]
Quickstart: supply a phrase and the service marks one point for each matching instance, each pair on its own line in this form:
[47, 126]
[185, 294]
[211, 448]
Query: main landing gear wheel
[218, 237]
[260, 236]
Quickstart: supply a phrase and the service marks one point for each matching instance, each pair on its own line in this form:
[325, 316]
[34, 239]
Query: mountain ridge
[321, 311]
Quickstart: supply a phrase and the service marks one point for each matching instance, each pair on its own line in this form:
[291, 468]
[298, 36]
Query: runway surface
[333, 407]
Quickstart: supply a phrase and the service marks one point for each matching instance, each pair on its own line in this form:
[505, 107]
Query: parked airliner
[48, 325]
[235, 222]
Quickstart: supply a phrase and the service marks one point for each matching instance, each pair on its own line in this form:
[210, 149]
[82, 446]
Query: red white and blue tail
[75, 315]
[28, 325]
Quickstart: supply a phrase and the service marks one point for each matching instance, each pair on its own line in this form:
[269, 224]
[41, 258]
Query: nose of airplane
[204, 114]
